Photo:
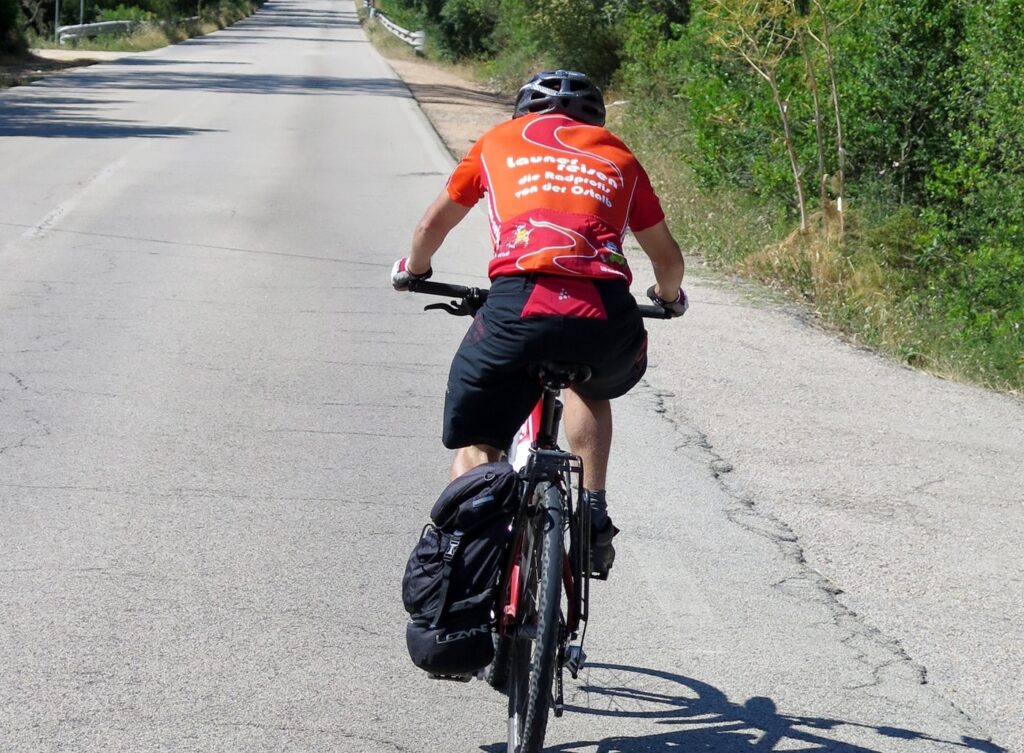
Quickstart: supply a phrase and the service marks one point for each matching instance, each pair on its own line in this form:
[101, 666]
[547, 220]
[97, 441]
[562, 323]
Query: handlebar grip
[438, 288]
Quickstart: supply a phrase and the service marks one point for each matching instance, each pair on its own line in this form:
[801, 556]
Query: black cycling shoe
[602, 553]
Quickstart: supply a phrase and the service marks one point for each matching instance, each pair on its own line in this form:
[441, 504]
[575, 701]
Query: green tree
[762, 34]
[12, 35]
[896, 65]
[466, 27]
[977, 185]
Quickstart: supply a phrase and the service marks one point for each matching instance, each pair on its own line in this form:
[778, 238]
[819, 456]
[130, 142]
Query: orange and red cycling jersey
[560, 197]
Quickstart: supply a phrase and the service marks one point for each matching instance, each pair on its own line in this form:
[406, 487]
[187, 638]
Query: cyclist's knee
[467, 458]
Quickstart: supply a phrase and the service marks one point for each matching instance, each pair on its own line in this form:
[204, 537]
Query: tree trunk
[812, 85]
[790, 148]
[840, 186]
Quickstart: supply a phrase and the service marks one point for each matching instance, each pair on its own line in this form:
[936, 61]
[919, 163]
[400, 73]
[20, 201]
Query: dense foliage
[887, 132]
[585, 34]
[12, 27]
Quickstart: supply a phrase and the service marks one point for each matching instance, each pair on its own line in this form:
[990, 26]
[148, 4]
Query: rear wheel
[533, 646]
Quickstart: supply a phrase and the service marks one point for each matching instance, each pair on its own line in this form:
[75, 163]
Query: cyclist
[561, 192]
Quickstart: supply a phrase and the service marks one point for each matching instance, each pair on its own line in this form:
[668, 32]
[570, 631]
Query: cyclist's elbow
[430, 234]
[439, 219]
[671, 262]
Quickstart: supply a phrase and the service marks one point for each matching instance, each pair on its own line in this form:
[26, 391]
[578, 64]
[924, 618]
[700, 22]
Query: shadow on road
[699, 717]
[229, 36]
[169, 61]
[110, 78]
[65, 115]
[76, 117]
[283, 13]
[447, 94]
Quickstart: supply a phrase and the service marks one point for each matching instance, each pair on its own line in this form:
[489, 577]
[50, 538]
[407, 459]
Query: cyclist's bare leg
[588, 427]
[467, 458]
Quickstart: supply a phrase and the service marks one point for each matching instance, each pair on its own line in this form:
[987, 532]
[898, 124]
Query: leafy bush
[546, 34]
[12, 34]
[898, 60]
[932, 97]
[466, 26]
[125, 13]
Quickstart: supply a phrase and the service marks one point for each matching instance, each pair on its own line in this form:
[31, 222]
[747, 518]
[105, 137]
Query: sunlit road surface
[219, 441]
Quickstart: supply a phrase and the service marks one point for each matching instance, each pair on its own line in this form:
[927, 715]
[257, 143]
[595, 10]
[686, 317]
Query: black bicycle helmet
[565, 92]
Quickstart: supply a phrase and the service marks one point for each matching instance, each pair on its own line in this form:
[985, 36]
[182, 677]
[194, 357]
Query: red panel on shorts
[564, 296]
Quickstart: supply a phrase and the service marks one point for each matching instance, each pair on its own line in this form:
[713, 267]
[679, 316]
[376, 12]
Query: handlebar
[469, 300]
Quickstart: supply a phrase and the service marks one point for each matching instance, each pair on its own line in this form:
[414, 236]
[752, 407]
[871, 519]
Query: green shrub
[573, 34]
[897, 59]
[932, 95]
[465, 27]
[12, 27]
[125, 13]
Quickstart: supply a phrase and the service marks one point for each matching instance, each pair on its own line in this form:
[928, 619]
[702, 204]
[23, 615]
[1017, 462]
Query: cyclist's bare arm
[439, 219]
[666, 258]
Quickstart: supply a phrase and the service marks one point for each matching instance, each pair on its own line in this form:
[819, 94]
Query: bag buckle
[453, 547]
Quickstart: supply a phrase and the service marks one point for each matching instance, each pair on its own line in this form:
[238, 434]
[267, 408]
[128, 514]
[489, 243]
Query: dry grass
[386, 43]
[859, 298]
[849, 286]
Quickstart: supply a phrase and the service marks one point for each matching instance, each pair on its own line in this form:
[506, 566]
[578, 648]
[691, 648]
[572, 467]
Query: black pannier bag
[451, 579]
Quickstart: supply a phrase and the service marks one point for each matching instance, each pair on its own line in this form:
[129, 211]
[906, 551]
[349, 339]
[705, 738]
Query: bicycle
[542, 607]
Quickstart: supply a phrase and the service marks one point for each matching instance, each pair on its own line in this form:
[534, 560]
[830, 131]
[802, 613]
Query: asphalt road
[219, 441]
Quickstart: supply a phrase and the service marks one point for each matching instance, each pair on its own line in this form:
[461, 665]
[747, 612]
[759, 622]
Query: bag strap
[449, 555]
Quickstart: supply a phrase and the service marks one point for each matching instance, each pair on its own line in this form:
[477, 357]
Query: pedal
[600, 574]
[452, 678]
[575, 658]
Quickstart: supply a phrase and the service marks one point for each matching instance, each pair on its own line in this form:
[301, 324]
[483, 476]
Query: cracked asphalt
[901, 492]
[219, 442]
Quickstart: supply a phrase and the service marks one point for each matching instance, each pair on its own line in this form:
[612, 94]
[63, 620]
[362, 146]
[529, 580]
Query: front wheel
[497, 671]
[533, 648]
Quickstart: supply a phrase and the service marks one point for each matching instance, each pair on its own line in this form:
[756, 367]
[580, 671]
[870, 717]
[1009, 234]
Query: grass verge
[852, 287]
[17, 70]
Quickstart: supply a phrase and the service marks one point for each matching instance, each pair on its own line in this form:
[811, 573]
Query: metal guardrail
[77, 31]
[417, 39]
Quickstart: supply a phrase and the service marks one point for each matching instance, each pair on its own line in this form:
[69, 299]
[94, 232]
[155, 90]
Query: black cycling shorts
[490, 390]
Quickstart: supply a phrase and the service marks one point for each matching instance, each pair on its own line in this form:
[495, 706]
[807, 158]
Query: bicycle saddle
[561, 375]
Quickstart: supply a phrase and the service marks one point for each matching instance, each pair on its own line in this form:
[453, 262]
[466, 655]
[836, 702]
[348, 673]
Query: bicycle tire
[498, 669]
[533, 658]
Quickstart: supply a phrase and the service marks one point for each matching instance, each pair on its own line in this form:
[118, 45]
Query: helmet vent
[568, 93]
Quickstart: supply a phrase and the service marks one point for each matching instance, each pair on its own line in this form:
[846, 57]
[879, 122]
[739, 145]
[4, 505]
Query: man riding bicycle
[561, 192]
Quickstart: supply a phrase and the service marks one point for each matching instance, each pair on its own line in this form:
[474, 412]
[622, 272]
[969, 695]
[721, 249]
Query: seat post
[554, 378]
[550, 418]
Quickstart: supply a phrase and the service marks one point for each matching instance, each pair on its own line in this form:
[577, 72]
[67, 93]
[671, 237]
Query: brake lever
[454, 308]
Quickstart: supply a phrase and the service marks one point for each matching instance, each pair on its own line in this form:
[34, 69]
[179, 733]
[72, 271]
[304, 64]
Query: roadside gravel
[459, 109]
